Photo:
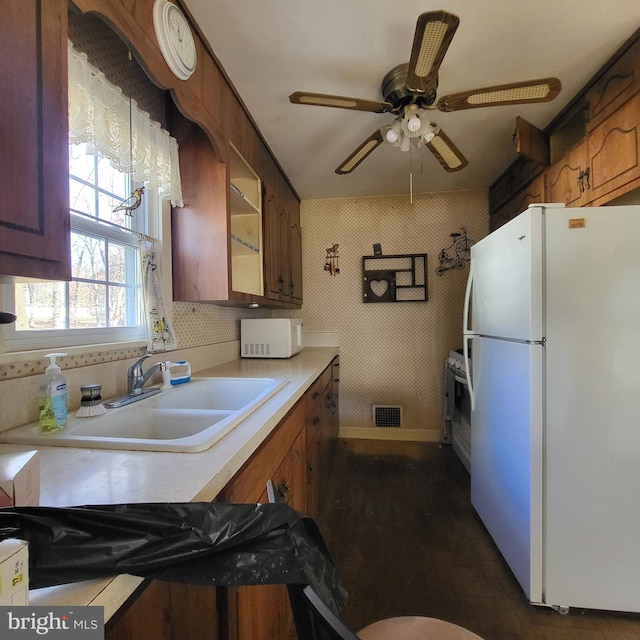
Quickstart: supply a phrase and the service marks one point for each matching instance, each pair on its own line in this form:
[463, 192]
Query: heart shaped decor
[379, 287]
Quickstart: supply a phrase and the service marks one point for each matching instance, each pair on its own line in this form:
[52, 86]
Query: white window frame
[85, 340]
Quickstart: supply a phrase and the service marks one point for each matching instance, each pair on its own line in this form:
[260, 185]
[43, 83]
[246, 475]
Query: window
[102, 303]
[113, 148]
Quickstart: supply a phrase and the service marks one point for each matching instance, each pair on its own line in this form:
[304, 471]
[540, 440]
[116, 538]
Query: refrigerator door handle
[467, 335]
[467, 301]
[465, 350]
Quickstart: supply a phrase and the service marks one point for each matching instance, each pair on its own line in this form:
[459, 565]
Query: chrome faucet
[136, 378]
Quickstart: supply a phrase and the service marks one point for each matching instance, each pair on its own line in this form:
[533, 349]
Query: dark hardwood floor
[403, 533]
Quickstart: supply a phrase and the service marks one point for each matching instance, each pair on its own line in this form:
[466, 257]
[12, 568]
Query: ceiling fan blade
[542, 90]
[447, 154]
[341, 102]
[434, 32]
[361, 152]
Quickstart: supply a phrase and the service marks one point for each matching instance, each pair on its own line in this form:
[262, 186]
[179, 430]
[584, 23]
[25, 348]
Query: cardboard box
[19, 479]
[14, 573]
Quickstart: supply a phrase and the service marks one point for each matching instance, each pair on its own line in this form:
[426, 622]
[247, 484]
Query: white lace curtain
[114, 128]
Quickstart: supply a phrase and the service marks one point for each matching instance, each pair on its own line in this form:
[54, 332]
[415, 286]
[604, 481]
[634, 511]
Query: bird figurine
[132, 203]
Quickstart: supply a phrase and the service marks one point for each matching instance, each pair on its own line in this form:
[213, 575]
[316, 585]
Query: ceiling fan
[409, 92]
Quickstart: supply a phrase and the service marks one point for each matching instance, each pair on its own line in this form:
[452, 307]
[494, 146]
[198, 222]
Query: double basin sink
[187, 418]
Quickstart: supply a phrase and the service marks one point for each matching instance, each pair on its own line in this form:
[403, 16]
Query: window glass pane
[123, 307]
[111, 180]
[87, 305]
[81, 165]
[88, 257]
[40, 305]
[122, 260]
[82, 197]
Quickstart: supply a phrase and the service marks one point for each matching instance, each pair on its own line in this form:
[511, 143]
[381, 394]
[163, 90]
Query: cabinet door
[273, 275]
[295, 254]
[565, 180]
[168, 610]
[34, 159]
[283, 258]
[529, 195]
[619, 83]
[614, 149]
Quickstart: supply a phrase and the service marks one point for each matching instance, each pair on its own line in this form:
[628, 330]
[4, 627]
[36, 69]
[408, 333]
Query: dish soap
[52, 399]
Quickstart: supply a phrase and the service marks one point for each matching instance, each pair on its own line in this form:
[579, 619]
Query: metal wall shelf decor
[395, 278]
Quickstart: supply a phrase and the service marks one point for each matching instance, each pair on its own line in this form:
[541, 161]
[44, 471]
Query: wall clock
[175, 38]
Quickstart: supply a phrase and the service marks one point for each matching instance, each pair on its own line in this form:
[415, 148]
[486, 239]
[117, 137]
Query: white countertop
[71, 476]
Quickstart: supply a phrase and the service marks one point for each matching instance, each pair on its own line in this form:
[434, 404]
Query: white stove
[459, 407]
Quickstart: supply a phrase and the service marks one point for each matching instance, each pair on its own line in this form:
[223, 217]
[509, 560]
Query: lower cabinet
[165, 611]
[296, 457]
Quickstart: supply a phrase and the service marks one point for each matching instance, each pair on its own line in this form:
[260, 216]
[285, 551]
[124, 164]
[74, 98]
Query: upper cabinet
[34, 221]
[218, 249]
[620, 82]
[245, 208]
[594, 143]
[284, 247]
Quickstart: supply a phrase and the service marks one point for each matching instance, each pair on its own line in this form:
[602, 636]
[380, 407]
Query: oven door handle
[462, 381]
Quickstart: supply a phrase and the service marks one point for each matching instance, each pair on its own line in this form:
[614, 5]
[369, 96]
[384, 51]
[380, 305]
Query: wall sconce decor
[331, 263]
[457, 255]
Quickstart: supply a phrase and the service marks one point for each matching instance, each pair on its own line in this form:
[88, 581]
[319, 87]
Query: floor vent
[387, 416]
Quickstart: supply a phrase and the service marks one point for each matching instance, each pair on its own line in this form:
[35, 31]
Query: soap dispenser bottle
[52, 397]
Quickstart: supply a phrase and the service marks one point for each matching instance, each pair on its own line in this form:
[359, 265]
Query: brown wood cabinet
[616, 85]
[600, 128]
[568, 179]
[35, 225]
[517, 204]
[262, 612]
[165, 611]
[34, 167]
[283, 238]
[614, 154]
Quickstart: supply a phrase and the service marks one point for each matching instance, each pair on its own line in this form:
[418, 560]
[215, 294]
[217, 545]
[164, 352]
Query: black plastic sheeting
[197, 542]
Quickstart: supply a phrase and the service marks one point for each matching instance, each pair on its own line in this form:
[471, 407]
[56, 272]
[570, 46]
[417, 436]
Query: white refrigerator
[552, 323]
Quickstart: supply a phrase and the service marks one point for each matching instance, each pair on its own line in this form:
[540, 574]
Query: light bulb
[391, 135]
[405, 143]
[414, 124]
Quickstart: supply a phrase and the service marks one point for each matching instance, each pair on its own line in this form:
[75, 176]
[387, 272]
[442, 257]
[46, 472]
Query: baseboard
[378, 433]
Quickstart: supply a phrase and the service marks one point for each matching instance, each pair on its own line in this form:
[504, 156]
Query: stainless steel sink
[187, 418]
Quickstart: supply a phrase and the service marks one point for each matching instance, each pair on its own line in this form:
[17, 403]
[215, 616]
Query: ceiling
[271, 48]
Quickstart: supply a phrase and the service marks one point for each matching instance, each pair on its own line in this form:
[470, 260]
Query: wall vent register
[387, 416]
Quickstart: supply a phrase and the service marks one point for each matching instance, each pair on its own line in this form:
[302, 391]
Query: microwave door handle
[465, 350]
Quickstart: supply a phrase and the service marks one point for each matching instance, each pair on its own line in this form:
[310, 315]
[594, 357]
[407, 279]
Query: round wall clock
[175, 38]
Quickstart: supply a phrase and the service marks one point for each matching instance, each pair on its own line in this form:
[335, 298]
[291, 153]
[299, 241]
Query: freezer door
[506, 453]
[506, 276]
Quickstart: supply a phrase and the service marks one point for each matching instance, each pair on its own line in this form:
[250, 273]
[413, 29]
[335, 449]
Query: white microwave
[270, 337]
